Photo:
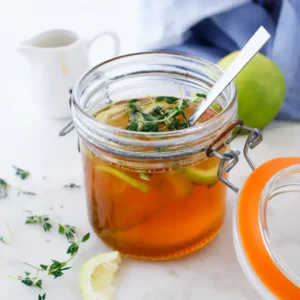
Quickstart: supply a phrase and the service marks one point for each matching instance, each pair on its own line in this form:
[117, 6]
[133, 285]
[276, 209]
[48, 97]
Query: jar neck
[140, 75]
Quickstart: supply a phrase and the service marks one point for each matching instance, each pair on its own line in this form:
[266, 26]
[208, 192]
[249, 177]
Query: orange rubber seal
[248, 228]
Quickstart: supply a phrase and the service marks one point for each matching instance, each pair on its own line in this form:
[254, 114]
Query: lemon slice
[110, 113]
[97, 274]
[202, 176]
[133, 182]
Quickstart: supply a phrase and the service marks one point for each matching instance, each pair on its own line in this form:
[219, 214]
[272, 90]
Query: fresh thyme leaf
[73, 249]
[86, 237]
[72, 185]
[67, 230]
[147, 117]
[133, 126]
[175, 124]
[3, 188]
[44, 267]
[57, 269]
[40, 220]
[43, 297]
[3, 240]
[23, 174]
[133, 101]
[160, 98]
[171, 100]
[150, 127]
[27, 281]
[157, 111]
[201, 95]
[39, 284]
[145, 176]
[61, 229]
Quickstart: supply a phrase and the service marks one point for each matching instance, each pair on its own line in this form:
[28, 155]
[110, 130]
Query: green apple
[261, 90]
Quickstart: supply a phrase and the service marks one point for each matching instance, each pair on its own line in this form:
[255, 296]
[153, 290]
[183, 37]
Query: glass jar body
[153, 195]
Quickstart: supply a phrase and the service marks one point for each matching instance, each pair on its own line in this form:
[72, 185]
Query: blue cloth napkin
[218, 35]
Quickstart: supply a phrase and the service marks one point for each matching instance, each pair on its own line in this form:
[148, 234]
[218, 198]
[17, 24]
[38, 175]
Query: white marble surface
[211, 273]
[33, 144]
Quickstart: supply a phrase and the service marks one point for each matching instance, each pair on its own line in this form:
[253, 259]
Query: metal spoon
[256, 42]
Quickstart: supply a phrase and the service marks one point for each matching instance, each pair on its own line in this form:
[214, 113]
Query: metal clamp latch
[231, 157]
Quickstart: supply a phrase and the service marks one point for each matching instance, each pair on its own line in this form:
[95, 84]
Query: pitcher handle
[114, 37]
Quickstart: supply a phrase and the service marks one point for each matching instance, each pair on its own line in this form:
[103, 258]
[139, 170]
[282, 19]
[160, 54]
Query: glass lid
[266, 225]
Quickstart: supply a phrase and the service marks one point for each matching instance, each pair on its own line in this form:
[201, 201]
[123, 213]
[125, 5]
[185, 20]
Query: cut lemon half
[202, 176]
[131, 181]
[97, 274]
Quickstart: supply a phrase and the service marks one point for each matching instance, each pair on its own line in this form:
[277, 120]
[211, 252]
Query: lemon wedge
[131, 181]
[97, 274]
[202, 176]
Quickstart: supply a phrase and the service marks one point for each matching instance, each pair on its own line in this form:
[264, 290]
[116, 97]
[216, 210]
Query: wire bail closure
[231, 157]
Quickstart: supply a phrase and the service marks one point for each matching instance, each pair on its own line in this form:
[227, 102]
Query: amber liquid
[172, 217]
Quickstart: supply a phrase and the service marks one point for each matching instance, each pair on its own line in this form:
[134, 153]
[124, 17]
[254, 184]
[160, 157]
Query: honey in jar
[151, 190]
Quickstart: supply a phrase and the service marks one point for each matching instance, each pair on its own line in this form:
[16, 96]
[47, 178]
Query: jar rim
[189, 130]
[144, 145]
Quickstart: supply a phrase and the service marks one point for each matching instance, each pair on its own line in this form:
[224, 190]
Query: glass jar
[266, 227]
[152, 195]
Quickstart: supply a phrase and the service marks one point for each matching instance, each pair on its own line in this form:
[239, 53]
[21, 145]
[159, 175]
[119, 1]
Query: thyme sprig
[46, 222]
[57, 268]
[160, 118]
[30, 281]
[23, 174]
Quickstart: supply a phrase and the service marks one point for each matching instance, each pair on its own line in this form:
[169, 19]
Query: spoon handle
[256, 42]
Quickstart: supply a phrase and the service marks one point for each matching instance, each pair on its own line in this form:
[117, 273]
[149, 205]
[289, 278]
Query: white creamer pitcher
[58, 58]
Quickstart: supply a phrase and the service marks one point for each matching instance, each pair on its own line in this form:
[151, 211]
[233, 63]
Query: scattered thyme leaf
[147, 117]
[28, 193]
[43, 297]
[86, 237]
[133, 126]
[44, 267]
[201, 95]
[72, 185]
[23, 174]
[56, 268]
[68, 231]
[4, 186]
[133, 101]
[31, 281]
[73, 249]
[44, 221]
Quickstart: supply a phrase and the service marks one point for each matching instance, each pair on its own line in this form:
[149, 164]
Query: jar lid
[266, 227]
